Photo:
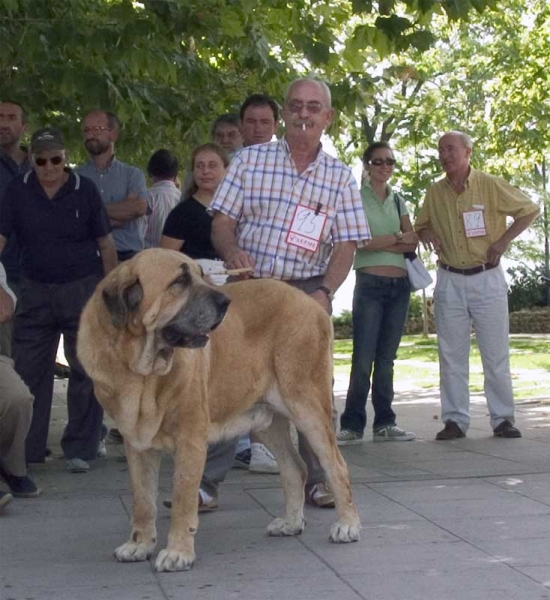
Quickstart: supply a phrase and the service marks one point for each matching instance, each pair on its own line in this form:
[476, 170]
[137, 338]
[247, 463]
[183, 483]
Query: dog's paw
[344, 533]
[281, 527]
[133, 552]
[172, 560]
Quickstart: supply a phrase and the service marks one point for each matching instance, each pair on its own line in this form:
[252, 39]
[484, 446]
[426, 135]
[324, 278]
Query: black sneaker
[242, 459]
[20, 487]
[61, 371]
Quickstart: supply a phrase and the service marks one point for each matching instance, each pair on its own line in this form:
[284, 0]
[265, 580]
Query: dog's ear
[121, 297]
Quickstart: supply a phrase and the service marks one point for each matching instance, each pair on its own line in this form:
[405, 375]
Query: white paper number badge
[474, 223]
[306, 227]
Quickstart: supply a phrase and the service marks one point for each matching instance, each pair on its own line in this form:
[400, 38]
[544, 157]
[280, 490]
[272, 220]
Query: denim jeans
[380, 306]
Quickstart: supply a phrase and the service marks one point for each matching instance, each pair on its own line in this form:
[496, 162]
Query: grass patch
[417, 363]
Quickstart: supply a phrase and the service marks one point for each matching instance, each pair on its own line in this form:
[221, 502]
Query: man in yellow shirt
[463, 220]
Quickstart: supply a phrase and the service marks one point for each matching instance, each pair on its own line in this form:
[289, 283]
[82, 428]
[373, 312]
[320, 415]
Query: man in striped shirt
[289, 211]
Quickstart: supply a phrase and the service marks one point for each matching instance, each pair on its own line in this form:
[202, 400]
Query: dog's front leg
[189, 460]
[144, 468]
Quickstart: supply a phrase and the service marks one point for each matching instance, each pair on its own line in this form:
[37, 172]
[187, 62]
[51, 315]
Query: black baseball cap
[47, 138]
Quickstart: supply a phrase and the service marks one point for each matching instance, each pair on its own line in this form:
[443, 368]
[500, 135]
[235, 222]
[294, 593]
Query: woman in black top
[188, 226]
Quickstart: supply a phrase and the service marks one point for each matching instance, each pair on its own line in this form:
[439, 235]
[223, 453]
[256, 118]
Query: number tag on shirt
[306, 228]
[474, 223]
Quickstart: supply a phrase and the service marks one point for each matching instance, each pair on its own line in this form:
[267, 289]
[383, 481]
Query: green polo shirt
[383, 220]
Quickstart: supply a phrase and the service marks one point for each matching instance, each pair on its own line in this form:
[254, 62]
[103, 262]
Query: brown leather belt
[470, 271]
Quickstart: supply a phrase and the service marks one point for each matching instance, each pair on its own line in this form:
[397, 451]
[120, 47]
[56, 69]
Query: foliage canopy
[168, 67]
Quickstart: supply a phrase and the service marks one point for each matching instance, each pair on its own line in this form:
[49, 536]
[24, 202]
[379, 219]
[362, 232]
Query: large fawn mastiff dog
[179, 364]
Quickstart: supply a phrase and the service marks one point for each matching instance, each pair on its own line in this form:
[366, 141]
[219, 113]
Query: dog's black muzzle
[191, 327]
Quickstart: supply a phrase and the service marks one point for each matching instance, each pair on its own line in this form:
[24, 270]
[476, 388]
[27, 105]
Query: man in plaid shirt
[288, 211]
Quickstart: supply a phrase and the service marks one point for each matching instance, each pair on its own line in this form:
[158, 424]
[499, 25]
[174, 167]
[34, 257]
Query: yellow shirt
[443, 210]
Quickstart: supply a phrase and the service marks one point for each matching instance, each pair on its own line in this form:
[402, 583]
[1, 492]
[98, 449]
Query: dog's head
[160, 299]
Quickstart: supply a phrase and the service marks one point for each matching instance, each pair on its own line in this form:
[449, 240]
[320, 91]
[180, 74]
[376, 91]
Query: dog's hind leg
[315, 423]
[293, 476]
[144, 468]
[189, 460]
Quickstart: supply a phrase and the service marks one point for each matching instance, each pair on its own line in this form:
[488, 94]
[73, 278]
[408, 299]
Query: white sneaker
[392, 433]
[102, 449]
[77, 465]
[261, 460]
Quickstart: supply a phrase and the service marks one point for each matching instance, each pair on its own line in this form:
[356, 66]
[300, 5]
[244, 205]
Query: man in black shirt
[14, 160]
[64, 235]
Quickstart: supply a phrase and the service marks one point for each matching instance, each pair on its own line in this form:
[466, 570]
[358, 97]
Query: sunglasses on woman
[42, 162]
[378, 162]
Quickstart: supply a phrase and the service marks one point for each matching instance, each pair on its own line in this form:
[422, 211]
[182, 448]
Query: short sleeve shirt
[57, 236]
[262, 190]
[115, 184]
[190, 222]
[443, 211]
[162, 197]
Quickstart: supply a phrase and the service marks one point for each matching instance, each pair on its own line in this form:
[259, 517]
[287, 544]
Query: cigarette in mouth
[303, 126]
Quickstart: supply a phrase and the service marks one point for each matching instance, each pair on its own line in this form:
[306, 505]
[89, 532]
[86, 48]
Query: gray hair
[324, 87]
[465, 138]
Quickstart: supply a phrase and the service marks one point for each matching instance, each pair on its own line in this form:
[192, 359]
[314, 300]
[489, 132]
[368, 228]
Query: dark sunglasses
[378, 162]
[42, 162]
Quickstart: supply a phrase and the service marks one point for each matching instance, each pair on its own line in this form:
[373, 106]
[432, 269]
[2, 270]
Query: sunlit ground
[417, 365]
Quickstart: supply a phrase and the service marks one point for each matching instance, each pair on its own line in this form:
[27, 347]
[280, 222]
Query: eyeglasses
[96, 129]
[42, 162]
[378, 162]
[296, 106]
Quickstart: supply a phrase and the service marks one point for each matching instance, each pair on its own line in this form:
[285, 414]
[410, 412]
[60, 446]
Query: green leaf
[10, 5]
[363, 37]
[421, 40]
[319, 53]
[393, 26]
[361, 6]
[230, 23]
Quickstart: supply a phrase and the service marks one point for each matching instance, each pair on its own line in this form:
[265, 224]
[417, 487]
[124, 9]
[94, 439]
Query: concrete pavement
[457, 520]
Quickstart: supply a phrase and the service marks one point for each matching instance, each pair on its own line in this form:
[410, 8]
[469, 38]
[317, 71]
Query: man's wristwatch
[327, 291]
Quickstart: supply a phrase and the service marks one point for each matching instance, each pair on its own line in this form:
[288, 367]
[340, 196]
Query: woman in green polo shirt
[380, 303]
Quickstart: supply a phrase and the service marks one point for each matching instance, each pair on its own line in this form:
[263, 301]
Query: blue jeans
[380, 306]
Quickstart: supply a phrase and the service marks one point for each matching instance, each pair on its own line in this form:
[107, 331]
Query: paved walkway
[468, 519]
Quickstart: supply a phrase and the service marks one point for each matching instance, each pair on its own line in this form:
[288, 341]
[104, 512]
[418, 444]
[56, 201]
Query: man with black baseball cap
[66, 244]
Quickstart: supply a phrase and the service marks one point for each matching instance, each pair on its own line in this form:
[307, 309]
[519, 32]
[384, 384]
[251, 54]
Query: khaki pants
[15, 418]
[6, 329]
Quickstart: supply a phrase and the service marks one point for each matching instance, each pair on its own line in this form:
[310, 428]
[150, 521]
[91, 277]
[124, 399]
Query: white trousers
[461, 301]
